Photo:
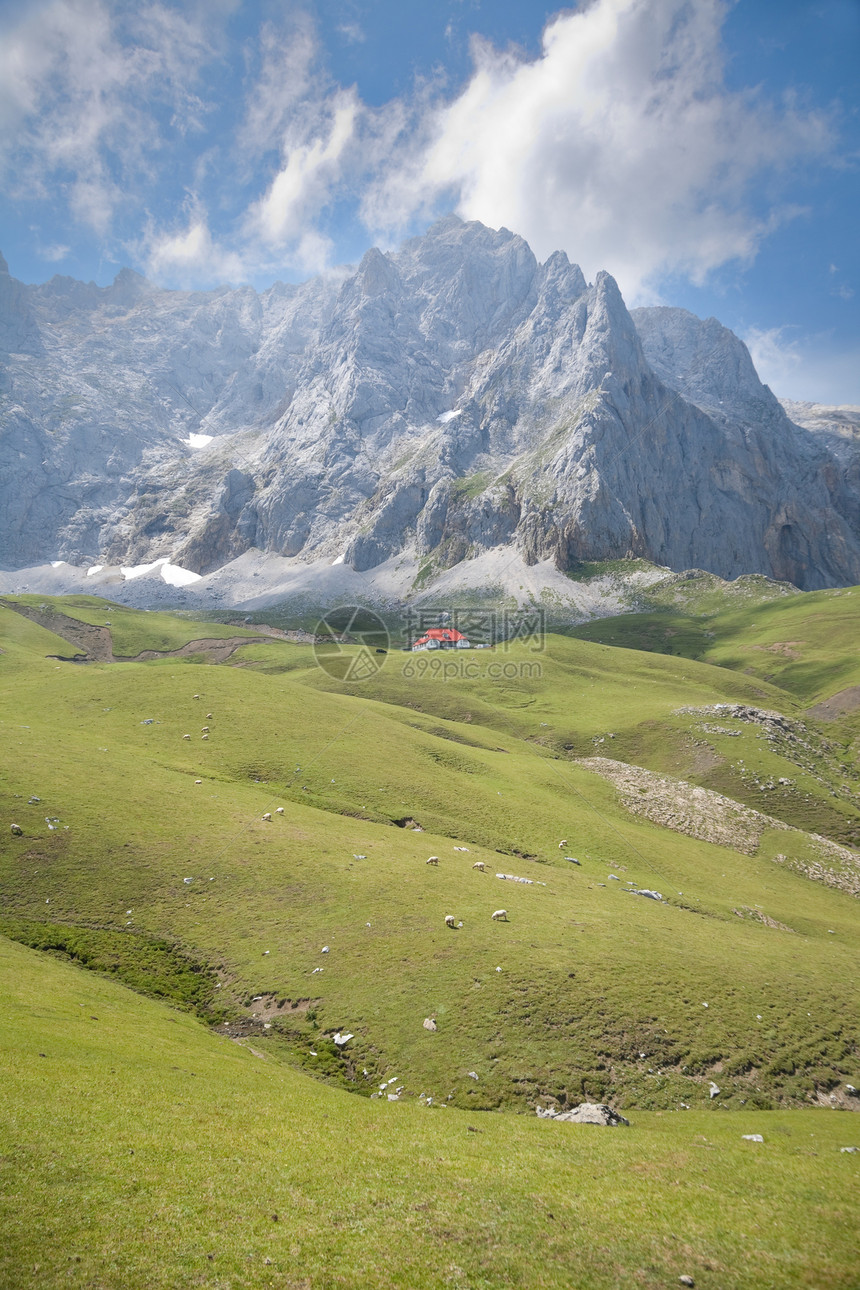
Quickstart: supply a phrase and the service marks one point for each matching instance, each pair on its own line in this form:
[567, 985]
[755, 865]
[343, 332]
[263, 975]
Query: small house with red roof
[442, 638]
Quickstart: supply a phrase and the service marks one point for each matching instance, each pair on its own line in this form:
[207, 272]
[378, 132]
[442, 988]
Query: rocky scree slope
[443, 400]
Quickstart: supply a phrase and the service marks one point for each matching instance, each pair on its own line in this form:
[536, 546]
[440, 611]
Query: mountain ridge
[445, 400]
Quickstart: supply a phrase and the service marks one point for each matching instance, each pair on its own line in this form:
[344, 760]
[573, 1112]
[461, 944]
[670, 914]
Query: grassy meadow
[145, 857]
[141, 1150]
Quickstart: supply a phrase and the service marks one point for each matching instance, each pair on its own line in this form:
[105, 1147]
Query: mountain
[437, 404]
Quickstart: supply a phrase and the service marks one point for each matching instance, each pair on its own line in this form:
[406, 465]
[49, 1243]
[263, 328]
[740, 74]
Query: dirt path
[218, 649]
[95, 644]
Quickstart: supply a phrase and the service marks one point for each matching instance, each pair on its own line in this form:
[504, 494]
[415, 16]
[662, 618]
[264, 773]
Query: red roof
[443, 634]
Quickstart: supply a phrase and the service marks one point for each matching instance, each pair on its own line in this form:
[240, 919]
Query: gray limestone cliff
[441, 400]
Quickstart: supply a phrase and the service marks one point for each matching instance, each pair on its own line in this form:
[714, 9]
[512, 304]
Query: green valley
[235, 844]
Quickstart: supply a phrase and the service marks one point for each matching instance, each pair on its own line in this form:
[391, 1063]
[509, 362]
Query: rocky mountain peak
[376, 275]
[438, 403]
[704, 361]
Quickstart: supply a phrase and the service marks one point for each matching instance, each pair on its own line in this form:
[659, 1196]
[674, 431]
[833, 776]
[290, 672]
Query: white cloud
[53, 254]
[777, 358]
[81, 82]
[281, 77]
[352, 32]
[191, 256]
[311, 169]
[807, 368]
[620, 144]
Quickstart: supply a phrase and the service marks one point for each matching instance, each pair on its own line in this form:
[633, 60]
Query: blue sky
[706, 153]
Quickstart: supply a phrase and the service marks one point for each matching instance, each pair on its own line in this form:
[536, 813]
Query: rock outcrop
[586, 1113]
[445, 400]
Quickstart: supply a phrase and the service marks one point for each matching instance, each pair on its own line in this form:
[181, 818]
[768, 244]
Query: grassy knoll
[131, 631]
[804, 644]
[136, 1148]
[25, 643]
[802, 651]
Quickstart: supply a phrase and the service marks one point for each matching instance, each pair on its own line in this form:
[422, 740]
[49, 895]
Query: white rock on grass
[588, 1113]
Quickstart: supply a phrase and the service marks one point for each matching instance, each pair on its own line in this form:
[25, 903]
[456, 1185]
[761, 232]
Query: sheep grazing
[204, 736]
[268, 815]
[432, 860]
[479, 864]
[186, 736]
[279, 811]
[562, 844]
[450, 920]
[501, 915]
[17, 830]
[204, 730]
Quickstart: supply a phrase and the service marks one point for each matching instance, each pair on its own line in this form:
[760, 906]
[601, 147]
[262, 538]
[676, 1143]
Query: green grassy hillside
[137, 1149]
[586, 990]
[146, 856]
[804, 643]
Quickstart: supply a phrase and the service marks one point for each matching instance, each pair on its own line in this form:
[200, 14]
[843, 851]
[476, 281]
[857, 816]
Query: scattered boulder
[17, 830]
[591, 1113]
